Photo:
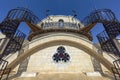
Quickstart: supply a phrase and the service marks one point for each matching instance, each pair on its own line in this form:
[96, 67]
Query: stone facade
[42, 61]
[37, 55]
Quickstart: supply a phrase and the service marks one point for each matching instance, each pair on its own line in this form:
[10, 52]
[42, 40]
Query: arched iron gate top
[15, 17]
[22, 14]
[99, 16]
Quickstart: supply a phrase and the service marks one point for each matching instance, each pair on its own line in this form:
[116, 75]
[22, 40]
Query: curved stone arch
[57, 41]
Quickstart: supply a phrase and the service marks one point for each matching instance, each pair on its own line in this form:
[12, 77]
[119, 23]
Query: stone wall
[42, 61]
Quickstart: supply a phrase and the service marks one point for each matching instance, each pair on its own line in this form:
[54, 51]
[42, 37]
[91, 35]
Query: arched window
[61, 22]
[61, 55]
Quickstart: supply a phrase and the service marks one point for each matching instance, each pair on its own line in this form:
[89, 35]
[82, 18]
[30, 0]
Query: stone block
[28, 74]
[93, 74]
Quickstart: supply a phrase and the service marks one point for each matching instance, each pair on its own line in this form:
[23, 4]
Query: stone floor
[64, 77]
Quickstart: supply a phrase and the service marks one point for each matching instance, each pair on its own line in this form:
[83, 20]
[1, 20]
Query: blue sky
[62, 7]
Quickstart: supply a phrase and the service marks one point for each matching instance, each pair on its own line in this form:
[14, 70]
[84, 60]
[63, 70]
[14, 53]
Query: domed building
[60, 48]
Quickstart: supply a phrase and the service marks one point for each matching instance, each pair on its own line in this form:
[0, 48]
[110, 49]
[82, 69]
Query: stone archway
[57, 41]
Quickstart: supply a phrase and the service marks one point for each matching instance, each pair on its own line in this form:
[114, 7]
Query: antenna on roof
[26, 6]
[75, 13]
[47, 11]
[94, 6]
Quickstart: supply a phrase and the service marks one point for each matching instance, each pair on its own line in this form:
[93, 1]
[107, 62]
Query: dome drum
[35, 35]
[59, 25]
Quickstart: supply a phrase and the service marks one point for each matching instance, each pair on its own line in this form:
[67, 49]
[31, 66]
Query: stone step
[98, 78]
[25, 78]
[62, 77]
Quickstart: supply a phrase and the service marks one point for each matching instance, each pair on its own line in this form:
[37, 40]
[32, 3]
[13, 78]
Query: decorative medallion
[61, 55]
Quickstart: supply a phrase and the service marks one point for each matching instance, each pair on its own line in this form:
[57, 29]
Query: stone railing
[60, 25]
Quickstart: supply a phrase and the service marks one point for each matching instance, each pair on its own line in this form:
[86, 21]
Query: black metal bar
[10, 24]
[116, 69]
[111, 25]
[9, 28]
[114, 72]
[108, 18]
[4, 69]
[112, 28]
[14, 17]
[9, 70]
[100, 15]
[15, 43]
[107, 43]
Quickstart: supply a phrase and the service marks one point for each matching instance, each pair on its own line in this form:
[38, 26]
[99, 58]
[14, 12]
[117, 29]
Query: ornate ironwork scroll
[111, 25]
[10, 25]
[61, 55]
